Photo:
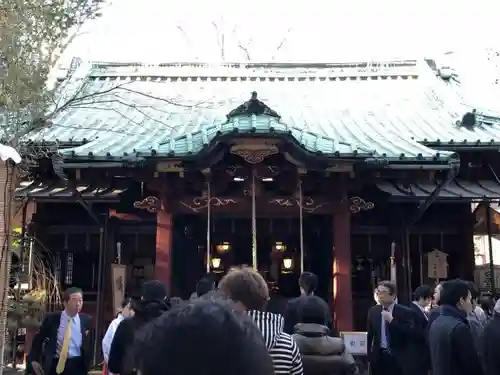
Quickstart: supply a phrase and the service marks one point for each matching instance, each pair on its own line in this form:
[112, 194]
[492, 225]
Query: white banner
[118, 280]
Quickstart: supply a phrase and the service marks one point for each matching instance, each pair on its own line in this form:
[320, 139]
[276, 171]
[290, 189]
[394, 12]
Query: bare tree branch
[221, 41]
[281, 43]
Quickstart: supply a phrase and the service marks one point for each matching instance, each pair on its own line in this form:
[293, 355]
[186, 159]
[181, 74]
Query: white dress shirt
[108, 337]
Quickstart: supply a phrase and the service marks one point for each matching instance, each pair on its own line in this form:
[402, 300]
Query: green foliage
[26, 312]
[33, 33]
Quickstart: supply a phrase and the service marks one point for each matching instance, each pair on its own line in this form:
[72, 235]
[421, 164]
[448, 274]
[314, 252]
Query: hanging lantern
[216, 264]
[279, 247]
[287, 265]
[223, 247]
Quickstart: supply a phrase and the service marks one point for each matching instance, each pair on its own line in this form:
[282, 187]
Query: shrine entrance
[278, 251]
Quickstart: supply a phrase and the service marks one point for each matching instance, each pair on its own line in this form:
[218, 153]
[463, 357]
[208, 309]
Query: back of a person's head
[204, 285]
[423, 292]
[474, 291]
[245, 286]
[312, 309]
[452, 291]
[154, 291]
[308, 281]
[203, 337]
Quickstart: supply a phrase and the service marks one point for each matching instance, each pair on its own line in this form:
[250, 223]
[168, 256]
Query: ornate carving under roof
[253, 107]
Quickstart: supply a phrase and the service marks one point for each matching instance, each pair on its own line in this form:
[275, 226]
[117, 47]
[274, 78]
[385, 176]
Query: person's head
[456, 293]
[308, 282]
[437, 293]
[312, 309]
[127, 308]
[204, 285]
[73, 301]
[246, 287]
[474, 292]
[423, 295]
[222, 342]
[154, 291]
[375, 296]
[386, 293]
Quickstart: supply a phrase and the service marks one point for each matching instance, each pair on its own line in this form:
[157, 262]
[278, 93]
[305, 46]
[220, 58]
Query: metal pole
[254, 224]
[209, 225]
[100, 286]
[493, 288]
[301, 223]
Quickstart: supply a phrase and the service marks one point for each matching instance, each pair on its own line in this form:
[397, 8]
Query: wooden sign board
[356, 343]
[437, 265]
[482, 277]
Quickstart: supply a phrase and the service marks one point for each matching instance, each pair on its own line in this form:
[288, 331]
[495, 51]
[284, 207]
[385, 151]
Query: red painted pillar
[163, 262]
[342, 291]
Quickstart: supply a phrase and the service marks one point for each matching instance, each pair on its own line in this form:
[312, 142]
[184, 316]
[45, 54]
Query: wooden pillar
[163, 262]
[342, 291]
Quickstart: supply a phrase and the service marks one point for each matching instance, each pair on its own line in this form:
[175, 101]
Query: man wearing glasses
[389, 332]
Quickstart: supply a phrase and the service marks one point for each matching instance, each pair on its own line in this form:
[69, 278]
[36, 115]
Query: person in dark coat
[422, 297]
[154, 303]
[450, 339]
[390, 328]
[68, 331]
[491, 343]
[308, 282]
[321, 353]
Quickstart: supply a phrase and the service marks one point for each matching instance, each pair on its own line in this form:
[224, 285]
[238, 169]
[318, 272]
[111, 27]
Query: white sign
[118, 279]
[356, 343]
[437, 265]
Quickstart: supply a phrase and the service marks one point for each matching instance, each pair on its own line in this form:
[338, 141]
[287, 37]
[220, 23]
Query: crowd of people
[442, 332]
[228, 330]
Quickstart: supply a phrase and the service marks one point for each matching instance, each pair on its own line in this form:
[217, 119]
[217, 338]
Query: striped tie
[63, 355]
[387, 335]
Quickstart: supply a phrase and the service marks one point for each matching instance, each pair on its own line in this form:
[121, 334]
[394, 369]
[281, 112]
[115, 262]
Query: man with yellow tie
[62, 346]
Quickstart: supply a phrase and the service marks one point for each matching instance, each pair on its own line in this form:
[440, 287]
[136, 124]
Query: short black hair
[68, 292]
[452, 291]
[309, 282]
[391, 287]
[222, 341]
[204, 285]
[312, 309]
[474, 291]
[423, 292]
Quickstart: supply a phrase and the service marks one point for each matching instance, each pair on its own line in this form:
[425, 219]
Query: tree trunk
[7, 178]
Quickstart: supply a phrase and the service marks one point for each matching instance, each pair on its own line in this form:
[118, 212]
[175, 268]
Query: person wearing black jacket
[308, 282]
[450, 338]
[154, 303]
[491, 340]
[422, 297]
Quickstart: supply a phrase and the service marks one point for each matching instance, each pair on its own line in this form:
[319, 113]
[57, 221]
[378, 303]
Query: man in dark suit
[390, 327]
[422, 298]
[450, 338]
[62, 345]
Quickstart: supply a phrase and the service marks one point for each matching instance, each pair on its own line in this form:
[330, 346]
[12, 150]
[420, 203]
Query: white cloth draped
[108, 337]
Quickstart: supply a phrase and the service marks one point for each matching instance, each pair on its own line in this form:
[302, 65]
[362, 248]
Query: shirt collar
[65, 316]
[390, 308]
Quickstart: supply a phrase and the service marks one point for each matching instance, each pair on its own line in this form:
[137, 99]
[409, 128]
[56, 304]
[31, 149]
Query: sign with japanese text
[437, 265]
[355, 342]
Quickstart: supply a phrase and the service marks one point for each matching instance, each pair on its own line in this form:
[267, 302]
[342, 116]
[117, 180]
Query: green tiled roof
[176, 110]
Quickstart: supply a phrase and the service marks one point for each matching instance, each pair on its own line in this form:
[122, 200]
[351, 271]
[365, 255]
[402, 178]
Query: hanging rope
[254, 224]
[301, 223]
[209, 225]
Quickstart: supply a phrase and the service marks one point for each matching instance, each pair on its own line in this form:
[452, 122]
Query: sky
[316, 30]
